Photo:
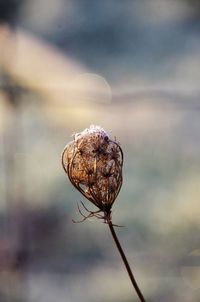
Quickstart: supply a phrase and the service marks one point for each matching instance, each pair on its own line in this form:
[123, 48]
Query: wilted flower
[93, 163]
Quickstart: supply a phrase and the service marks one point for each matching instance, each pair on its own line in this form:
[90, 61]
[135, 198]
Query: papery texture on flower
[93, 163]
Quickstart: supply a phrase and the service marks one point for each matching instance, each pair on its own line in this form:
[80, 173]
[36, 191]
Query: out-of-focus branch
[37, 65]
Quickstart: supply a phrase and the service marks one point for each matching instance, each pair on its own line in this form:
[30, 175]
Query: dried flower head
[93, 163]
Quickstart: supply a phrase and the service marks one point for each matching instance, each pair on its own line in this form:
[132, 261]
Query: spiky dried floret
[93, 163]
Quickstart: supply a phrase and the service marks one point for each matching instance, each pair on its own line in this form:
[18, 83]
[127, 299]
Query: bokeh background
[132, 67]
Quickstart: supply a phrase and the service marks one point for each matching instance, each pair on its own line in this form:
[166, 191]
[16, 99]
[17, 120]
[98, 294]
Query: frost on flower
[91, 131]
[93, 163]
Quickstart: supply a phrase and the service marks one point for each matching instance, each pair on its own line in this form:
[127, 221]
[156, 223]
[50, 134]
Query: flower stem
[123, 256]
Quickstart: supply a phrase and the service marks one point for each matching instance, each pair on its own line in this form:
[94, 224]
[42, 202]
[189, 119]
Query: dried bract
[93, 163]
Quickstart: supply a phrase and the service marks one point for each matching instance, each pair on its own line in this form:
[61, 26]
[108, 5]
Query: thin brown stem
[123, 256]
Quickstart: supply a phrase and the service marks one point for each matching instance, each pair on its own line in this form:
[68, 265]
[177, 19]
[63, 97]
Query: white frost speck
[92, 130]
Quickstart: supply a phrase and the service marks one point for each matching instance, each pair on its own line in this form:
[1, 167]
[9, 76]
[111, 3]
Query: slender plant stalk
[123, 256]
[93, 163]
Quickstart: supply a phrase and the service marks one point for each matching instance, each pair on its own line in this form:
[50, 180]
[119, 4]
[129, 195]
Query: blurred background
[132, 67]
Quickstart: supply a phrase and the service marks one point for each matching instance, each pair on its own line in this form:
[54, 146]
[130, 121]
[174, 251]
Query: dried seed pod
[93, 163]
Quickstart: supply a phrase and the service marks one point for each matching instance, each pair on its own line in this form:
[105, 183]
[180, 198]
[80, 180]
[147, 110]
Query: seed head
[93, 163]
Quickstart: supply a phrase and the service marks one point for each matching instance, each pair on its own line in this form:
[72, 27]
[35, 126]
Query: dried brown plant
[93, 163]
